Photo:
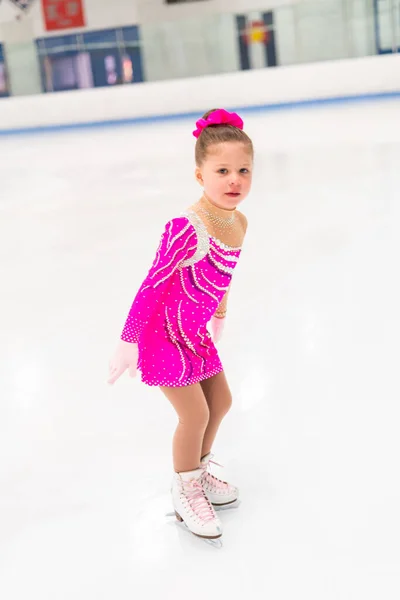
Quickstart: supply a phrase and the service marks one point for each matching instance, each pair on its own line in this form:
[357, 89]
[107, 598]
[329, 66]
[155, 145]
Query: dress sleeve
[178, 243]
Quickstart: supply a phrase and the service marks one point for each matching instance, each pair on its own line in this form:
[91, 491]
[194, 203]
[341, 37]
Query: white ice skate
[220, 493]
[192, 506]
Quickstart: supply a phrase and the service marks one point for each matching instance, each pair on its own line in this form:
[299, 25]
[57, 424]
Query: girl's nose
[234, 179]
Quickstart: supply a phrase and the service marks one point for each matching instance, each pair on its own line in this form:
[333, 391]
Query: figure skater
[166, 336]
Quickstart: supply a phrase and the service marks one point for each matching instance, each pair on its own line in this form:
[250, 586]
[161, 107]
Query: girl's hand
[217, 328]
[125, 357]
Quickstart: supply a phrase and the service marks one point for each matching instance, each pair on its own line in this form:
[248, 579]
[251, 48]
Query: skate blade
[229, 506]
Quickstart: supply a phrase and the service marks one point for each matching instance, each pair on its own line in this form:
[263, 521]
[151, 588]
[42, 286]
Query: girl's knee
[198, 417]
[227, 405]
[223, 406]
[202, 417]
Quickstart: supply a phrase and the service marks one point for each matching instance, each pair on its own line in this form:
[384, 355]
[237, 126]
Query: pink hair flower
[218, 117]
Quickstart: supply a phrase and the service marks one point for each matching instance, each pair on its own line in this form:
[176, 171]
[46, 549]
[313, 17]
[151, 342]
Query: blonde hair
[219, 134]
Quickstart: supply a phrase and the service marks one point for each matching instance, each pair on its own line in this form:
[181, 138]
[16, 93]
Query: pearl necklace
[222, 222]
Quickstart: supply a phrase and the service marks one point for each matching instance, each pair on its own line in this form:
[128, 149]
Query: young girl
[166, 335]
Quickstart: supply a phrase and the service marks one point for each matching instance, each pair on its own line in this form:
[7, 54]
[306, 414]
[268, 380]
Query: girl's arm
[178, 243]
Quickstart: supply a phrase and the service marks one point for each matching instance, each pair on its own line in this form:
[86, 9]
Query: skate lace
[214, 482]
[198, 501]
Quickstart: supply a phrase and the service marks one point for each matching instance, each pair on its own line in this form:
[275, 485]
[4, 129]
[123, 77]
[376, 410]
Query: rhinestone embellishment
[222, 222]
[203, 239]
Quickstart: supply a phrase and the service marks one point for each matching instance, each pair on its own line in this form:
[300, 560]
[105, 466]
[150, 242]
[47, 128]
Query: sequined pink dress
[168, 318]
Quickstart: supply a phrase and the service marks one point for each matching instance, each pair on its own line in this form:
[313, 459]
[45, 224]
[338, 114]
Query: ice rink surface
[311, 350]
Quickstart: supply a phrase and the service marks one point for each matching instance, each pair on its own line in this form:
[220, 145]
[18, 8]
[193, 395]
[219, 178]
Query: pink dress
[168, 318]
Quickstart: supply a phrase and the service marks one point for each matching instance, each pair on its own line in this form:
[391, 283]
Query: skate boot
[220, 493]
[193, 507]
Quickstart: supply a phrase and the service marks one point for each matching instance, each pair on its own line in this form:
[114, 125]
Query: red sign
[63, 14]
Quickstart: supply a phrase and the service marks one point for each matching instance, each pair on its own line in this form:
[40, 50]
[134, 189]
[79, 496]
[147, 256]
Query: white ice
[311, 350]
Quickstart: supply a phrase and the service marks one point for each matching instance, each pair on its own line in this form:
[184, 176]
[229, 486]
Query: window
[94, 59]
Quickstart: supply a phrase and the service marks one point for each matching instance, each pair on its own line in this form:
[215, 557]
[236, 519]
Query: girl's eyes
[224, 171]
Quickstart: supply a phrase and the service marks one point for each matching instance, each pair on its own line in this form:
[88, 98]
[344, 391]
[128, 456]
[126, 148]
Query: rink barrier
[195, 115]
[375, 78]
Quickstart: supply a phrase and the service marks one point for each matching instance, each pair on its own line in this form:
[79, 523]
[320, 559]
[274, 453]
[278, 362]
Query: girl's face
[226, 174]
